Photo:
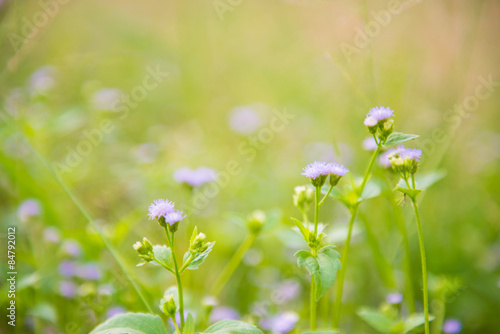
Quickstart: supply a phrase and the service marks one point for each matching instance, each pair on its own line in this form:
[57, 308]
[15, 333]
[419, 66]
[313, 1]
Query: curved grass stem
[177, 277]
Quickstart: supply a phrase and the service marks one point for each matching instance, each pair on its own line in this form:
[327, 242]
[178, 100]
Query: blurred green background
[65, 64]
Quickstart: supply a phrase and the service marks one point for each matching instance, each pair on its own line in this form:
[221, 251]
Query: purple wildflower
[28, 208]
[394, 298]
[89, 271]
[282, 323]
[224, 313]
[160, 208]
[106, 99]
[68, 268]
[72, 247]
[67, 289]
[174, 217]
[369, 144]
[338, 170]
[385, 158]
[42, 80]
[245, 120]
[116, 310]
[379, 113]
[195, 177]
[411, 153]
[51, 234]
[370, 121]
[317, 169]
[286, 291]
[452, 326]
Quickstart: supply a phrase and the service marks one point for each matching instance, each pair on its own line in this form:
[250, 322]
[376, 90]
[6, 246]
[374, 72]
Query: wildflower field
[250, 167]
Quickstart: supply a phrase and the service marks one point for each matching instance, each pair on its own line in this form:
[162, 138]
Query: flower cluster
[319, 171]
[379, 122]
[195, 177]
[164, 211]
[404, 161]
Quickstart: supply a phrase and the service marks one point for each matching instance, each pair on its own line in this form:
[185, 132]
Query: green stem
[345, 253]
[368, 170]
[313, 303]
[324, 198]
[316, 210]
[188, 262]
[231, 266]
[177, 277]
[177, 329]
[424, 265]
[340, 282]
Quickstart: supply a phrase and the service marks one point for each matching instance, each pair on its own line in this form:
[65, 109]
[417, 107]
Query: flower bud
[303, 197]
[198, 244]
[256, 221]
[386, 128]
[142, 248]
[371, 123]
[319, 181]
[168, 306]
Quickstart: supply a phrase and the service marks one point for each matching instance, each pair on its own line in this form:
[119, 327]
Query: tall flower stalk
[380, 125]
[405, 163]
[169, 218]
[322, 263]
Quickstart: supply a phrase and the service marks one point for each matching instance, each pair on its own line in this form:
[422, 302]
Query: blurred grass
[286, 55]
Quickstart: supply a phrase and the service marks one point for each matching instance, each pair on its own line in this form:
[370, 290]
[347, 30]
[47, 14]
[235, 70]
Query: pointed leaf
[414, 321]
[378, 320]
[307, 260]
[412, 193]
[232, 327]
[397, 138]
[132, 323]
[164, 255]
[329, 264]
[199, 258]
[303, 230]
[189, 326]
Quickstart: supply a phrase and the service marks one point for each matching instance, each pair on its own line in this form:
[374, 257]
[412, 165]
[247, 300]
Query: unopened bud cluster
[303, 196]
[379, 122]
[145, 250]
[256, 221]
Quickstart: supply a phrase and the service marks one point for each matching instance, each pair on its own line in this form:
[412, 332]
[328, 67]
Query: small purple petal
[394, 298]
[160, 208]
[67, 289]
[68, 268]
[452, 326]
[224, 313]
[28, 208]
[379, 113]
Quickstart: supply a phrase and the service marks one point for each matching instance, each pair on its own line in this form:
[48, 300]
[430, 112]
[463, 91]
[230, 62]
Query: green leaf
[372, 189]
[425, 180]
[414, 321]
[132, 323]
[412, 193]
[232, 327]
[303, 230]
[379, 321]
[306, 259]
[397, 138]
[198, 258]
[329, 263]
[164, 255]
[189, 325]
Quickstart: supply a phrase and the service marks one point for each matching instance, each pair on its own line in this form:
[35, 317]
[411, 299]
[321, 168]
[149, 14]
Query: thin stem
[177, 277]
[184, 266]
[345, 253]
[316, 210]
[340, 282]
[413, 181]
[368, 170]
[424, 265]
[231, 266]
[313, 304]
[177, 329]
[324, 198]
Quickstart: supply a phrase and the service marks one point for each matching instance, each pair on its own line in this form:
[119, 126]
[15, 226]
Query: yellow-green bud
[256, 221]
[168, 306]
[303, 196]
